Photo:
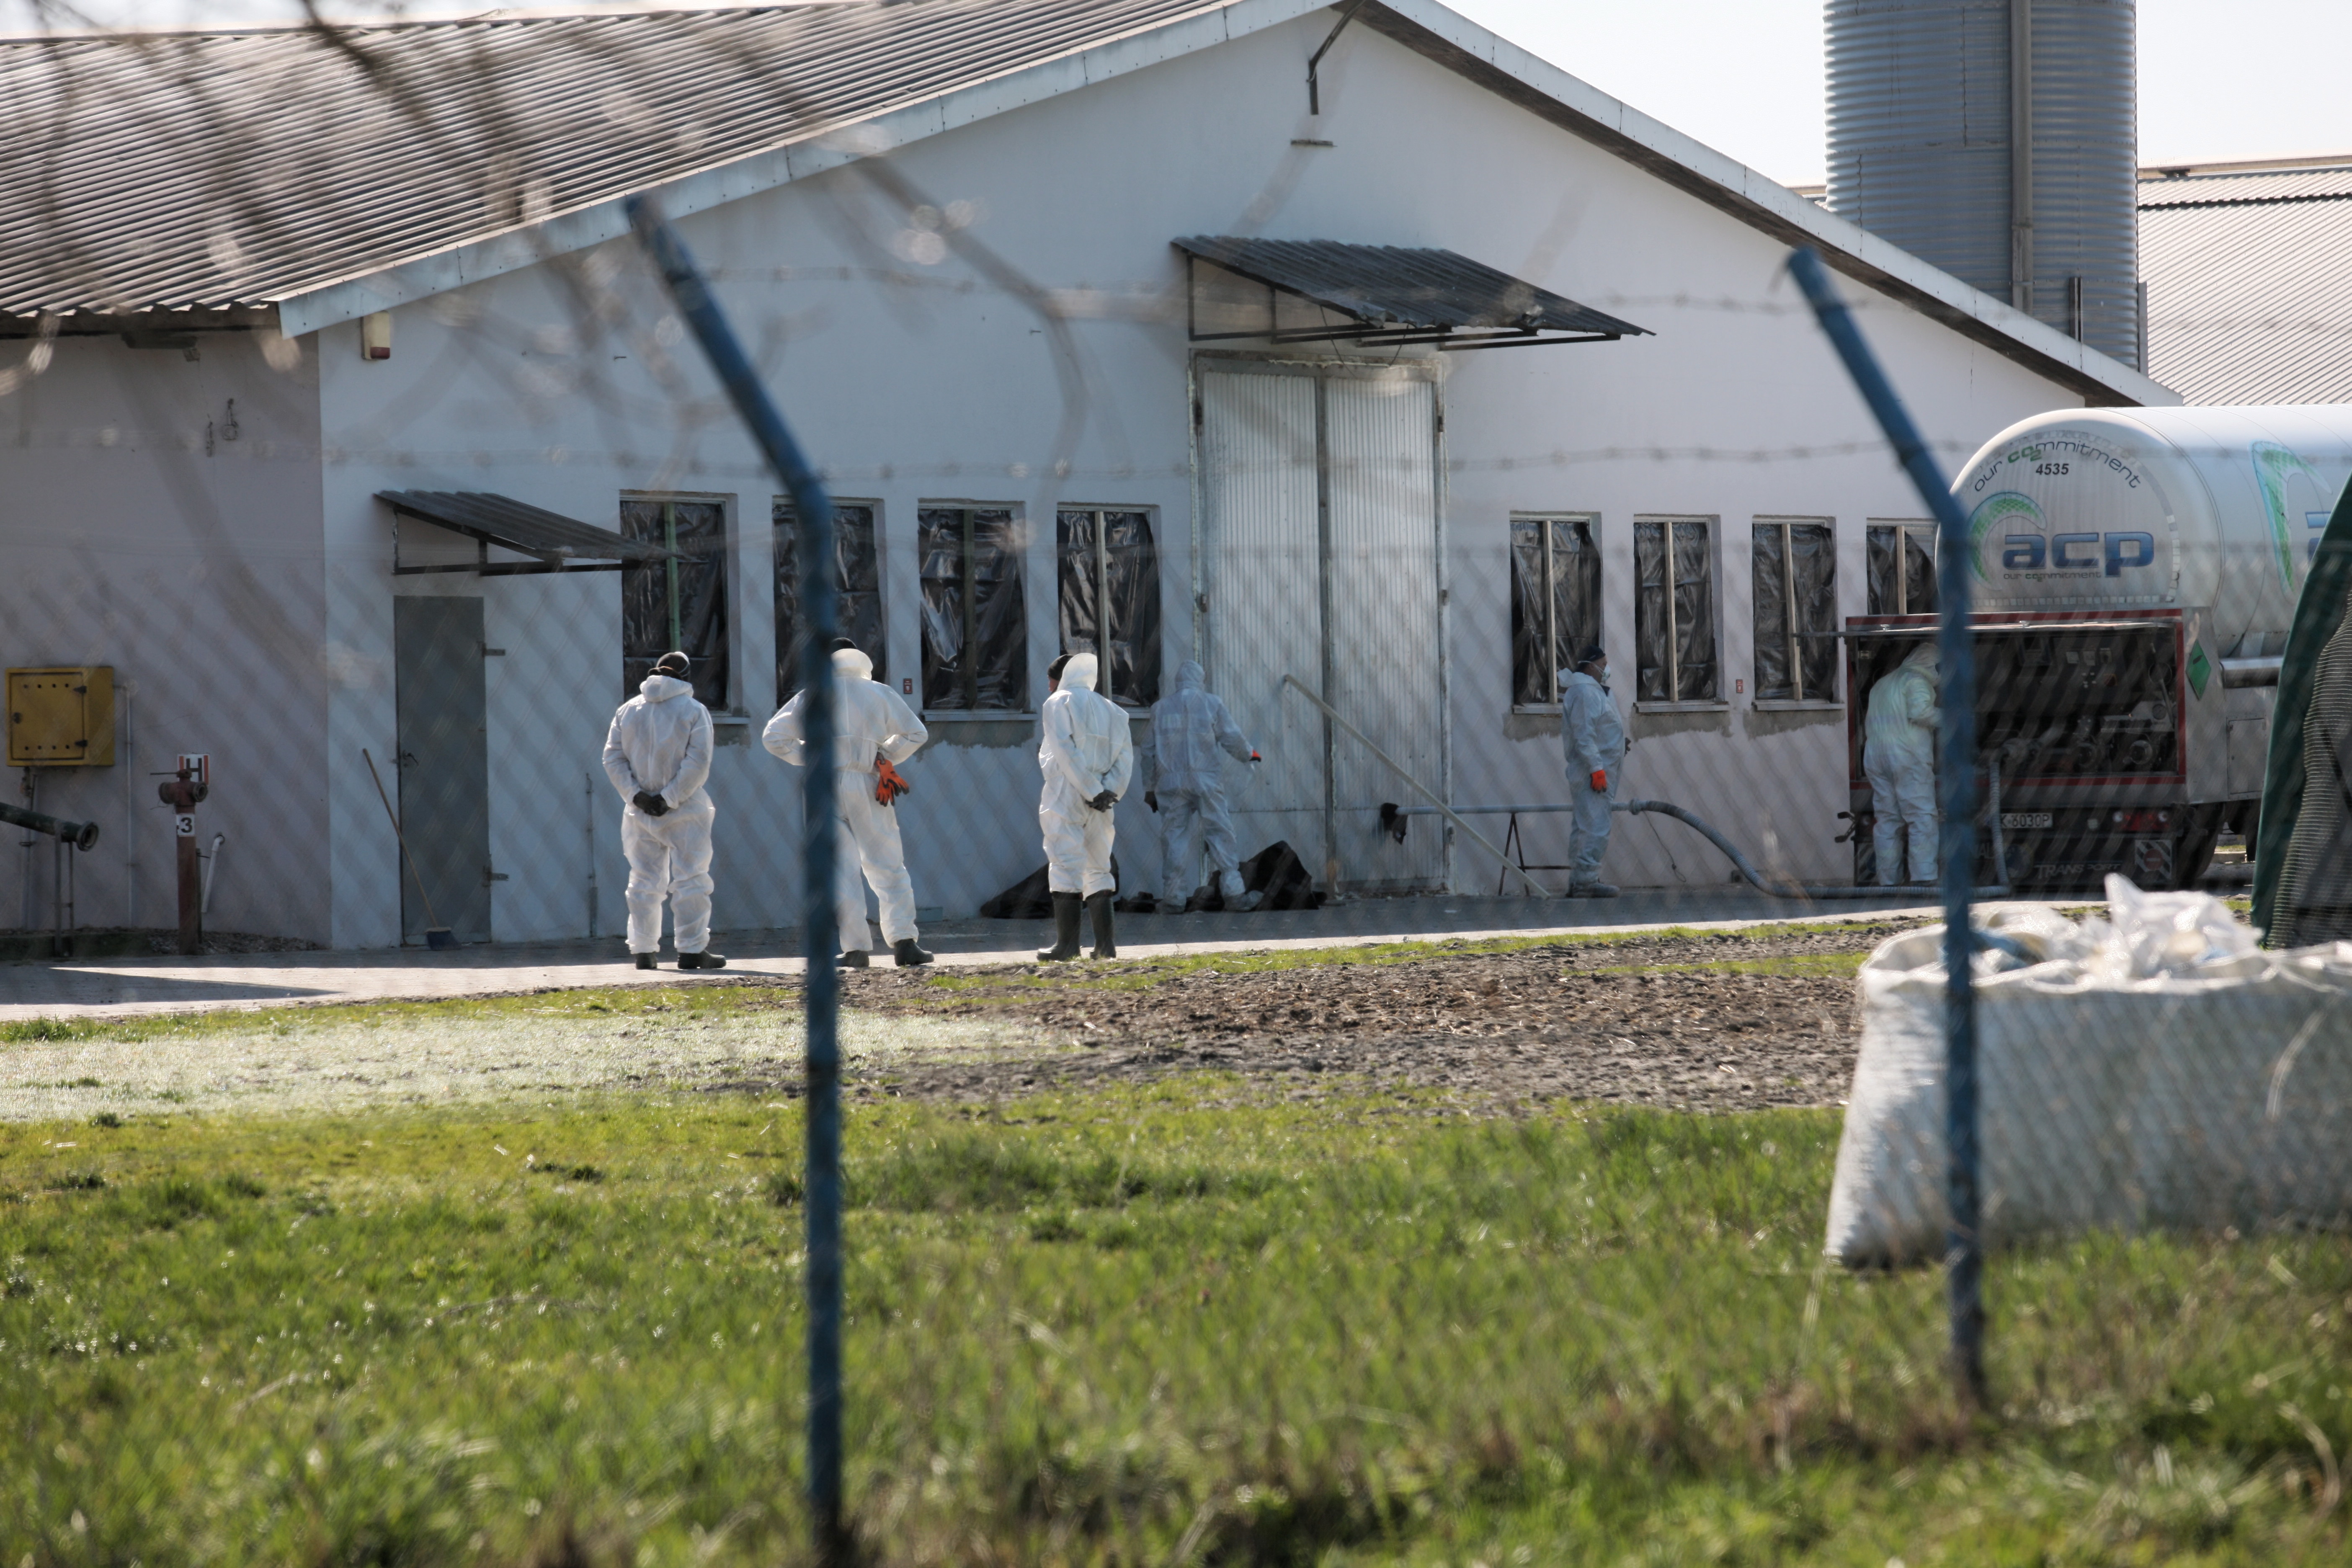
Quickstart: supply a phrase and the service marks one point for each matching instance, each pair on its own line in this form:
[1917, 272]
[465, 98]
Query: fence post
[821, 1185]
[1955, 789]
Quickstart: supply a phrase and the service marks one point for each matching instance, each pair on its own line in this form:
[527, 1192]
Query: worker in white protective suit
[874, 730]
[1086, 756]
[1898, 758]
[1184, 780]
[1592, 736]
[657, 754]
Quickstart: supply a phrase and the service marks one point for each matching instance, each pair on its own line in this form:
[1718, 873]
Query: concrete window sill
[1682, 707]
[1810, 705]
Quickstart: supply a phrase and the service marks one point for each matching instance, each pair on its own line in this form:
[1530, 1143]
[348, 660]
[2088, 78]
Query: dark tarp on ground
[1275, 870]
[1030, 899]
[857, 577]
[646, 631]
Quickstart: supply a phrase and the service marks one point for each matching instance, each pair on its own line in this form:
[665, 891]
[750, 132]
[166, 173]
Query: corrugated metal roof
[2275, 186]
[2250, 285]
[279, 176]
[518, 525]
[1394, 289]
[221, 172]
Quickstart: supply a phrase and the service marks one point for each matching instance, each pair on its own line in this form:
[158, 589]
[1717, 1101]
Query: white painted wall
[195, 572]
[913, 381]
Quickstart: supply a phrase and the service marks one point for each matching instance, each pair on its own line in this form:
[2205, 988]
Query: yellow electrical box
[61, 718]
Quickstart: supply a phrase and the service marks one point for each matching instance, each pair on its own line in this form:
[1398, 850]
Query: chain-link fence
[1456, 563]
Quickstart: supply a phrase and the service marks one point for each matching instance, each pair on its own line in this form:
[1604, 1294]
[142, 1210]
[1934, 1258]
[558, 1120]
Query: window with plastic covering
[1555, 601]
[975, 617]
[1796, 610]
[856, 579]
[1902, 568]
[677, 603]
[1674, 610]
[1109, 593]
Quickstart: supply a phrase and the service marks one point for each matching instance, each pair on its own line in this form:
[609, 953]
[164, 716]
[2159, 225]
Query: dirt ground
[1701, 1021]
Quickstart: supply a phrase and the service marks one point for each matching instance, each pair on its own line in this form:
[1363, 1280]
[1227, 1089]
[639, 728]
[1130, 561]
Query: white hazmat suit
[1088, 748]
[1898, 758]
[1592, 737]
[1182, 768]
[869, 720]
[660, 743]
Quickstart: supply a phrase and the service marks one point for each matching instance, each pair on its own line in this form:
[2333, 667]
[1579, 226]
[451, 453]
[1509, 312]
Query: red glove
[1599, 781]
[888, 786]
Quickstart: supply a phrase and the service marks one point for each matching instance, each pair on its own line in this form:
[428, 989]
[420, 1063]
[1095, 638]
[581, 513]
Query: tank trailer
[2134, 573]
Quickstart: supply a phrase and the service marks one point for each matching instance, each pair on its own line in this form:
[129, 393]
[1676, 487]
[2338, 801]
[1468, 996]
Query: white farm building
[342, 414]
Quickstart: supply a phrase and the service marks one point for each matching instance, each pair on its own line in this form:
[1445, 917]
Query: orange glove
[887, 785]
[1599, 781]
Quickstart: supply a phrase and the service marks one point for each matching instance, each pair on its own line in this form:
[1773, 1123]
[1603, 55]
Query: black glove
[1104, 801]
[649, 803]
[1151, 798]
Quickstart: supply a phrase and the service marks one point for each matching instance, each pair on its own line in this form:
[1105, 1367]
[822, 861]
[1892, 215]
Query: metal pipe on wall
[2020, 156]
[122, 694]
[590, 779]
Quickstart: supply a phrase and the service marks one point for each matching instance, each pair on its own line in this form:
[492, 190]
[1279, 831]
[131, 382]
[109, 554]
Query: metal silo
[1998, 140]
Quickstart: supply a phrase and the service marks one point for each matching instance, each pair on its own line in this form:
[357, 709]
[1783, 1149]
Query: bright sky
[2219, 79]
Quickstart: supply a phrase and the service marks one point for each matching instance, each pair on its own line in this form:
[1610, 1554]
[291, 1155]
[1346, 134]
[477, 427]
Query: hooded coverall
[869, 719]
[1088, 748]
[1898, 758]
[660, 743]
[1592, 737]
[1181, 766]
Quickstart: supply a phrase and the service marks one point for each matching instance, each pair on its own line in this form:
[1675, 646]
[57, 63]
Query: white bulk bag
[2158, 1071]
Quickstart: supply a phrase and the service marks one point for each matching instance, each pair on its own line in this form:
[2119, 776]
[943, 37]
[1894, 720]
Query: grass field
[1149, 1324]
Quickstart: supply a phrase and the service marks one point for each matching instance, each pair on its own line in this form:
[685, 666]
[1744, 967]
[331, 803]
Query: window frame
[782, 513]
[1554, 661]
[1104, 634]
[1019, 553]
[1799, 697]
[1713, 555]
[722, 558]
[1901, 528]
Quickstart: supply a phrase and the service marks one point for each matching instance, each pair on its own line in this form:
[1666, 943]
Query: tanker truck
[2133, 575]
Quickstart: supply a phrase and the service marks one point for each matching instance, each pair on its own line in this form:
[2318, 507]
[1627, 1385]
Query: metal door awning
[1288, 291]
[558, 542]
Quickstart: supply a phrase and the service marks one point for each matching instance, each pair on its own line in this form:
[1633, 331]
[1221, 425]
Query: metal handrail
[1444, 810]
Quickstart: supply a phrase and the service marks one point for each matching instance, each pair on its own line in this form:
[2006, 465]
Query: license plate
[2025, 819]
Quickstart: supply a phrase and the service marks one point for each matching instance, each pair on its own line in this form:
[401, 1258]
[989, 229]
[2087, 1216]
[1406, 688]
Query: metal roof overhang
[559, 543]
[1392, 296]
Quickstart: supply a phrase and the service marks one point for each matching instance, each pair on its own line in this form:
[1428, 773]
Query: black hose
[1784, 889]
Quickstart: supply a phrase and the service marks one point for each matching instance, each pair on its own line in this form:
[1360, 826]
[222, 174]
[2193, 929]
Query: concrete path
[40, 988]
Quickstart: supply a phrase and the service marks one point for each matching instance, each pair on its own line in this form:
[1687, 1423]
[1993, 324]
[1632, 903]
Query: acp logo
[2028, 545]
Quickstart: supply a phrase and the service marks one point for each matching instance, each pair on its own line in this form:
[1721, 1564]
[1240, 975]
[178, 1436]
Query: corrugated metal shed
[2249, 280]
[1394, 293]
[217, 173]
